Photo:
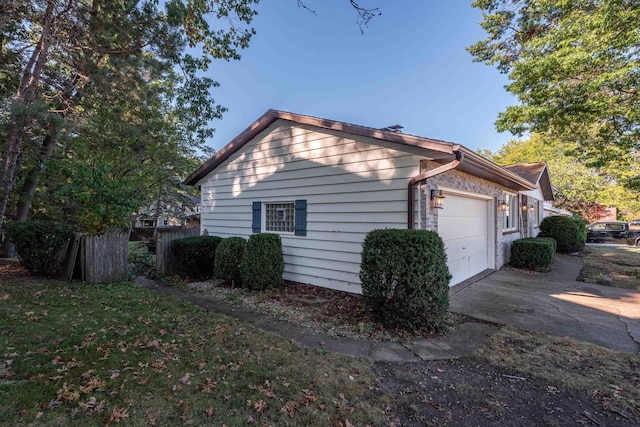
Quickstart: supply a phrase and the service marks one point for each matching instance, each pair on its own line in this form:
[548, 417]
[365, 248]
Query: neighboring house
[185, 214]
[323, 185]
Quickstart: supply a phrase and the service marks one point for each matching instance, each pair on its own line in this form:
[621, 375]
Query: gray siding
[351, 188]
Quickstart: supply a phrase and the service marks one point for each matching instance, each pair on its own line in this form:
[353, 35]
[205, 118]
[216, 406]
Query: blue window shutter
[257, 217]
[300, 226]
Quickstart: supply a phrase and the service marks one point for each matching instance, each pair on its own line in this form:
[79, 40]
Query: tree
[579, 188]
[575, 67]
[53, 44]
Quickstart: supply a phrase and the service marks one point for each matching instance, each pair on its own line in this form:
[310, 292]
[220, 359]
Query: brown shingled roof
[536, 173]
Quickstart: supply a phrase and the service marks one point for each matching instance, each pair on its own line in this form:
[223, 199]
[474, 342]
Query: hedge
[196, 254]
[405, 279]
[38, 243]
[533, 253]
[228, 258]
[262, 262]
[565, 231]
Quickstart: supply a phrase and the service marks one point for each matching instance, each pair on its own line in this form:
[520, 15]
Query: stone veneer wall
[463, 181]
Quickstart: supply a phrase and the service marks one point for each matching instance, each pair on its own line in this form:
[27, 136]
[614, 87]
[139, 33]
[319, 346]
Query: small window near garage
[511, 214]
[279, 217]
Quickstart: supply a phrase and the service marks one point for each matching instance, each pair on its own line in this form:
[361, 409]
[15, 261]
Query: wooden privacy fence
[97, 259]
[166, 262]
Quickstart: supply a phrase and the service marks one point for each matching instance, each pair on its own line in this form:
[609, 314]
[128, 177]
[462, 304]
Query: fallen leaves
[118, 415]
[186, 379]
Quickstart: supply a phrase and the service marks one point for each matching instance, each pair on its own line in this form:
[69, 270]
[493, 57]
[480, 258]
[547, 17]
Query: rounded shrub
[533, 253]
[262, 262]
[582, 227]
[228, 258]
[405, 279]
[565, 232]
[196, 255]
[38, 244]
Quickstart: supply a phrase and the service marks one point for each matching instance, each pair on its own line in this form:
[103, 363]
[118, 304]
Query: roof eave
[478, 166]
[432, 148]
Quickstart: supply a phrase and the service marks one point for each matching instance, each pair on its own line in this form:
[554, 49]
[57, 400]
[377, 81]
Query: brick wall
[465, 182]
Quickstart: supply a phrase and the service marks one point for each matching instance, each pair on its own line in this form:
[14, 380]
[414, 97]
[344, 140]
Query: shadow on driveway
[555, 303]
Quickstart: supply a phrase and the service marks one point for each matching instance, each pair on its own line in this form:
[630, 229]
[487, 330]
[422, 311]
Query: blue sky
[410, 68]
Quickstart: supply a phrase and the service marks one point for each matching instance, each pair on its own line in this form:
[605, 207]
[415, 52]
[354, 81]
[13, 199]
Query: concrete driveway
[556, 304]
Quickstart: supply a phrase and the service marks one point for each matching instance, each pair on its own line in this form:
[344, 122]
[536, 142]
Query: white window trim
[514, 199]
[263, 215]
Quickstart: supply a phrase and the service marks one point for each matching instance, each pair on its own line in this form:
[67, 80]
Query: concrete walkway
[555, 303]
[464, 340]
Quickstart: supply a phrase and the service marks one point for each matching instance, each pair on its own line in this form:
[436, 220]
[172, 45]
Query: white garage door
[464, 227]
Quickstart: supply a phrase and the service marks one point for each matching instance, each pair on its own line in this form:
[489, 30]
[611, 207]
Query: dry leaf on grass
[118, 415]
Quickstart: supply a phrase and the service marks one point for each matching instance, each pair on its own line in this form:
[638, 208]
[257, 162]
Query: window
[283, 217]
[536, 207]
[279, 217]
[511, 214]
[165, 222]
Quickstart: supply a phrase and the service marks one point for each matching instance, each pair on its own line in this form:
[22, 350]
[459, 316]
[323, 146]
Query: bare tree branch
[364, 15]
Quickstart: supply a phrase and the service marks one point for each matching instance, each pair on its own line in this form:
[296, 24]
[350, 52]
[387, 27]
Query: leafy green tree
[63, 51]
[579, 188]
[574, 67]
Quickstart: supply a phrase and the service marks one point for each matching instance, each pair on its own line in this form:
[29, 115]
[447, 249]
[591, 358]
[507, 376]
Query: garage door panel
[478, 263]
[464, 228]
[458, 270]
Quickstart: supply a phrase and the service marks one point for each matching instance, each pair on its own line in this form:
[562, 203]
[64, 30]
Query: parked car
[607, 232]
[635, 222]
[633, 237]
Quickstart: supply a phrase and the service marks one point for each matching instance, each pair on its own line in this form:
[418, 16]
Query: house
[532, 201]
[179, 213]
[323, 184]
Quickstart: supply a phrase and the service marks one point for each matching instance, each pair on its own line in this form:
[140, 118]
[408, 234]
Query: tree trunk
[28, 189]
[24, 97]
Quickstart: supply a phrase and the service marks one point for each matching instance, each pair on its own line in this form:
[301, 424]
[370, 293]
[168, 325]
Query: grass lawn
[621, 263]
[74, 354]
[85, 355]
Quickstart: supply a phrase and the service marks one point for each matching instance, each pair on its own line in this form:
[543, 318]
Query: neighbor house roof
[440, 151]
[538, 173]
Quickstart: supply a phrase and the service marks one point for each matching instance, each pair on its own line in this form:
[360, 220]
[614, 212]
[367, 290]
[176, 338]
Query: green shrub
[582, 227]
[228, 258]
[38, 244]
[196, 254]
[405, 279]
[533, 253]
[141, 264]
[262, 262]
[565, 231]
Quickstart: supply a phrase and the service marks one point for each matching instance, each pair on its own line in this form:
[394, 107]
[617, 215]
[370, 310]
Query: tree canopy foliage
[579, 188]
[574, 65]
[111, 95]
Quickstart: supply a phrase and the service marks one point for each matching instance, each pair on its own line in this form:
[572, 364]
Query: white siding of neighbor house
[351, 187]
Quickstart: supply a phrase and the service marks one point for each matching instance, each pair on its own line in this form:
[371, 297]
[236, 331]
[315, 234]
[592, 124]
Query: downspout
[426, 175]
